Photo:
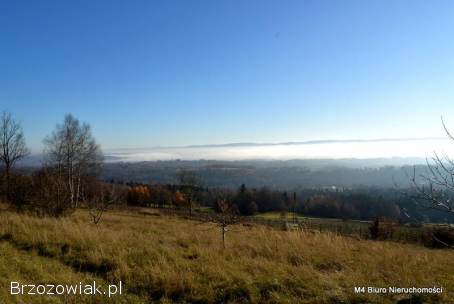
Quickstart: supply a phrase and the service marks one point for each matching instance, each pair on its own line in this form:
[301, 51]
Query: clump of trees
[72, 156]
[73, 161]
[251, 201]
[346, 205]
[351, 206]
[158, 196]
[139, 196]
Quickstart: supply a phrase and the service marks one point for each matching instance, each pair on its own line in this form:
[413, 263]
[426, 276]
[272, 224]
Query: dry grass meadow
[163, 259]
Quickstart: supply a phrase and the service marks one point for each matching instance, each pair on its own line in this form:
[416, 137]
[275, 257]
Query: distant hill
[347, 173]
[278, 174]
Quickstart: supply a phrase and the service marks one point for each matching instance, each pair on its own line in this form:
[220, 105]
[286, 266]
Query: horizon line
[289, 143]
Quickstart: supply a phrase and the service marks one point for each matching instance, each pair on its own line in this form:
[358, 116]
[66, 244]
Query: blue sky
[173, 73]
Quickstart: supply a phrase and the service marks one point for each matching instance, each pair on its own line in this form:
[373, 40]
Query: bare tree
[74, 154]
[190, 185]
[12, 146]
[105, 197]
[434, 188]
[225, 217]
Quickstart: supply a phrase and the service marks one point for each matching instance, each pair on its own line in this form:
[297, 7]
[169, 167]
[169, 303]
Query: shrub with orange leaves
[139, 196]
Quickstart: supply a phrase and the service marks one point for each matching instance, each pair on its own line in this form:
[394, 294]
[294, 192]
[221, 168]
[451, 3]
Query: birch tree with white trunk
[73, 153]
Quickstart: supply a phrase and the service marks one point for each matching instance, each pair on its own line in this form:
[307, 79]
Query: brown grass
[163, 259]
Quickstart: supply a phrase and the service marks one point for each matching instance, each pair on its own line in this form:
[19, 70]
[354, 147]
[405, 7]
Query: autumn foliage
[139, 196]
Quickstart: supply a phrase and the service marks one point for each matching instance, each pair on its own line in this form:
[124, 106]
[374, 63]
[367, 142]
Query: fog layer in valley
[403, 148]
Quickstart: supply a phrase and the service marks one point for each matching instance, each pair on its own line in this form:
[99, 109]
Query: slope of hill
[168, 260]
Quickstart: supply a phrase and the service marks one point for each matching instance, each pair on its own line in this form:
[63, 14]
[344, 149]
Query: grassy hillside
[163, 259]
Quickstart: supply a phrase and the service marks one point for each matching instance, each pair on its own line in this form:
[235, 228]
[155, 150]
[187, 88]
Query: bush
[49, 196]
[439, 237]
[251, 209]
[382, 229]
[20, 191]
